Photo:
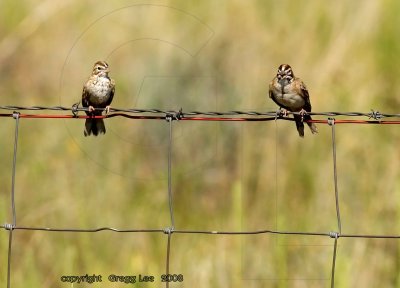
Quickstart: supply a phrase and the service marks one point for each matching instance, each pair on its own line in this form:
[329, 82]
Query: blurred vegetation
[202, 55]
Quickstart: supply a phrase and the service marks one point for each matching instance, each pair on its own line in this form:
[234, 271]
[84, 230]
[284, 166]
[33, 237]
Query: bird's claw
[91, 109]
[283, 112]
[302, 113]
[107, 109]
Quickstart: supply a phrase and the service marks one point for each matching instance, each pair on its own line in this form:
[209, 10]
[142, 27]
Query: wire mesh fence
[372, 117]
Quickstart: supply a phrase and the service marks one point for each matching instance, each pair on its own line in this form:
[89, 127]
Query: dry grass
[227, 176]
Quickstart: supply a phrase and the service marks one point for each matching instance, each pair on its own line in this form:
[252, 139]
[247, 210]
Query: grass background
[208, 55]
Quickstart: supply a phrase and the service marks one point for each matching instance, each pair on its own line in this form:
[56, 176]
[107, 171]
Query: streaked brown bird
[291, 94]
[98, 92]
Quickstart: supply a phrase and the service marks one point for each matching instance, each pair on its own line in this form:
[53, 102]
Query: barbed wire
[172, 116]
[373, 114]
[373, 117]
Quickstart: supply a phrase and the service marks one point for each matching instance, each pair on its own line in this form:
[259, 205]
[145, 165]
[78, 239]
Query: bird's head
[100, 68]
[285, 74]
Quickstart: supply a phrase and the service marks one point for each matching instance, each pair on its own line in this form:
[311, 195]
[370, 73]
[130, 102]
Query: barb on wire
[375, 115]
[74, 109]
[169, 116]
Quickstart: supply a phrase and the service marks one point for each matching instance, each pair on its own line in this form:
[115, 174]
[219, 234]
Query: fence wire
[170, 116]
[180, 114]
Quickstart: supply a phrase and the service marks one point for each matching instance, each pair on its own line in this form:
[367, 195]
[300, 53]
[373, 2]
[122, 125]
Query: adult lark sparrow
[98, 92]
[291, 94]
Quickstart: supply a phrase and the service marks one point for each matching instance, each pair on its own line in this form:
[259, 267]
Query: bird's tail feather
[94, 126]
[300, 124]
[312, 126]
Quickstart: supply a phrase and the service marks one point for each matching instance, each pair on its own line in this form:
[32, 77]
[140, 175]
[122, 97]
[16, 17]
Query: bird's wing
[270, 89]
[304, 93]
[85, 97]
[112, 84]
[86, 101]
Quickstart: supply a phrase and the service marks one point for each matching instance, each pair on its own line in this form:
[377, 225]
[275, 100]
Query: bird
[98, 92]
[291, 94]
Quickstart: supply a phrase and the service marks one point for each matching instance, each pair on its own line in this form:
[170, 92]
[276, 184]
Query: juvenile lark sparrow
[98, 92]
[291, 94]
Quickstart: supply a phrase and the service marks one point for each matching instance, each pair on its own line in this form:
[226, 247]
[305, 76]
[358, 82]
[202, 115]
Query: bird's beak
[283, 81]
